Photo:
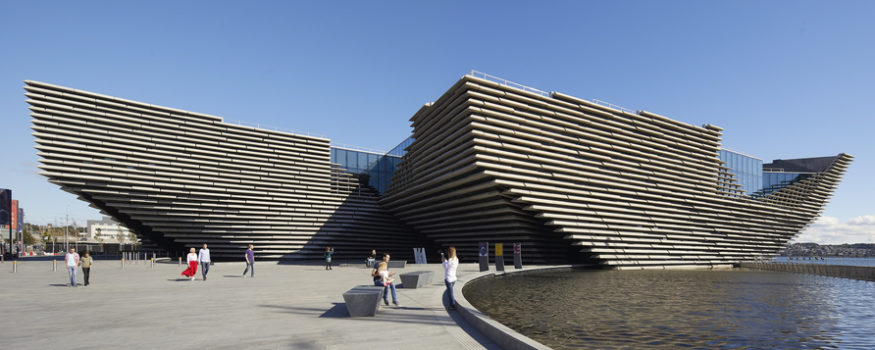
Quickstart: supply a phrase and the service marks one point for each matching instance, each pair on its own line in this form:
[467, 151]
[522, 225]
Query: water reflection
[723, 309]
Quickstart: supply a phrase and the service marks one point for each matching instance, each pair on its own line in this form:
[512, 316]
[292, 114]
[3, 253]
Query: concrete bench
[416, 279]
[398, 264]
[363, 300]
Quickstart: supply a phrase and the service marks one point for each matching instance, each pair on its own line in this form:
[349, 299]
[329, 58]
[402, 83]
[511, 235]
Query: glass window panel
[362, 161]
[350, 160]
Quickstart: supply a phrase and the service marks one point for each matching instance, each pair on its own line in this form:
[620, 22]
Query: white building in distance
[109, 230]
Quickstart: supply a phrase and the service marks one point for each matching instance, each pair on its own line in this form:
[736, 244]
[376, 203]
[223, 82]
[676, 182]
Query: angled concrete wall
[180, 179]
[573, 179]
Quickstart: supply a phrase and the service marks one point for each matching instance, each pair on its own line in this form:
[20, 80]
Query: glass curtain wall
[378, 167]
[748, 171]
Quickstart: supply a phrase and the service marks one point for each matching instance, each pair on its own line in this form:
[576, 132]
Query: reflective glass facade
[378, 167]
[747, 170]
[773, 181]
[401, 149]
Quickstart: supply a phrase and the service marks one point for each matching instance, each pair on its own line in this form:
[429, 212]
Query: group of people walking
[193, 259]
[382, 276]
[73, 262]
[202, 257]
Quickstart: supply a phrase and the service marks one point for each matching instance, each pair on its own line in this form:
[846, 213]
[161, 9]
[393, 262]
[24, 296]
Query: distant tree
[28, 239]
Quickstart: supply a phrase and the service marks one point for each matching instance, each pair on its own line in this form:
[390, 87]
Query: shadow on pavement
[233, 276]
[181, 279]
[339, 310]
[385, 314]
[59, 284]
[465, 326]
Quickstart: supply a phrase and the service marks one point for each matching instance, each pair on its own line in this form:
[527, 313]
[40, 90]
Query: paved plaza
[298, 306]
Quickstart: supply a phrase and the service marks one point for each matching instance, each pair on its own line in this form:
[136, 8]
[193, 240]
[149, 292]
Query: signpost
[517, 256]
[484, 256]
[419, 255]
[499, 257]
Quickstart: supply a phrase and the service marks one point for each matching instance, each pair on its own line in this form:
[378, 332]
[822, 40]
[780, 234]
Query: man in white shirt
[203, 257]
[72, 260]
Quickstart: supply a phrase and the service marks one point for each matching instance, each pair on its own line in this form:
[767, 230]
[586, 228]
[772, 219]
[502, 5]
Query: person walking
[203, 257]
[450, 263]
[250, 262]
[328, 253]
[86, 263]
[191, 271]
[382, 278]
[72, 260]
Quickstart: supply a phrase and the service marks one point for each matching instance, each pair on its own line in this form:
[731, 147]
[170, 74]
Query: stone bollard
[180, 261]
[55, 265]
[123, 263]
[14, 266]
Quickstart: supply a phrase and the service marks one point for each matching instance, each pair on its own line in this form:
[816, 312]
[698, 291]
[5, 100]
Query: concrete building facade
[179, 179]
[570, 179]
[575, 180]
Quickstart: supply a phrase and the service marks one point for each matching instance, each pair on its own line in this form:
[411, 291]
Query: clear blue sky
[785, 79]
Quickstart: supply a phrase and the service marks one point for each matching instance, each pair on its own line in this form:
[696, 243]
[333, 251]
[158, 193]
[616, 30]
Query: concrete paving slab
[284, 307]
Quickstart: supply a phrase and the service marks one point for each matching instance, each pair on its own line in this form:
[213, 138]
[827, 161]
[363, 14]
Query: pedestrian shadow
[59, 284]
[181, 279]
[232, 276]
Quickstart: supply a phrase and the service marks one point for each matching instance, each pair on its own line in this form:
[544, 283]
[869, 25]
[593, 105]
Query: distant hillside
[814, 249]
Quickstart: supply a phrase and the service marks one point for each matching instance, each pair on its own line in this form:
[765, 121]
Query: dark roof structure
[801, 165]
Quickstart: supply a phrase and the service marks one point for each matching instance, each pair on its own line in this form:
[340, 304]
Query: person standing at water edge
[72, 260]
[86, 262]
[191, 271]
[328, 253]
[450, 263]
[203, 257]
[250, 262]
[381, 276]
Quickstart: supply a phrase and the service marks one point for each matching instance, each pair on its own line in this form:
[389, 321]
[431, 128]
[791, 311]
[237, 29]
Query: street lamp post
[66, 225]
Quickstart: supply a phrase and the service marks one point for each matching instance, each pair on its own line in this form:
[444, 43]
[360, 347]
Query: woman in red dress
[191, 271]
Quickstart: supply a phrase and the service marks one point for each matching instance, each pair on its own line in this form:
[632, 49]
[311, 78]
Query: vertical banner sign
[499, 257]
[5, 206]
[15, 228]
[20, 219]
[484, 256]
[5, 212]
[14, 211]
[517, 256]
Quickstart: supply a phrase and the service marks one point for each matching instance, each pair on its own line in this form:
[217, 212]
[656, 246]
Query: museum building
[572, 180]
